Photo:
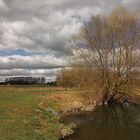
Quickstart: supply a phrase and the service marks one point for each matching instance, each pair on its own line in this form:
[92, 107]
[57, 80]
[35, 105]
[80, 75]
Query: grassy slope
[18, 119]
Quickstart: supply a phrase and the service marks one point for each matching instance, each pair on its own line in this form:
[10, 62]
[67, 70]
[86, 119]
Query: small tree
[76, 77]
[111, 45]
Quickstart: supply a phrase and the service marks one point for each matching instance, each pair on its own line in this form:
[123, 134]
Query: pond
[114, 122]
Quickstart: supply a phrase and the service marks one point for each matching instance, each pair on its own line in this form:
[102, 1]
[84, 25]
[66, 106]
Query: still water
[108, 123]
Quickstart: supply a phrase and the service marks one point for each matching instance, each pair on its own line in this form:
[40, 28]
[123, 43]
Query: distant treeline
[28, 81]
[24, 80]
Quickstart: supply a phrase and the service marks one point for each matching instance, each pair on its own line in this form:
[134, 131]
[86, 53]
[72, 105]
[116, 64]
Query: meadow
[20, 118]
[24, 113]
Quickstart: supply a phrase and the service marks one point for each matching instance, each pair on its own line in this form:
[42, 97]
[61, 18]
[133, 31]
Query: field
[20, 118]
[24, 114]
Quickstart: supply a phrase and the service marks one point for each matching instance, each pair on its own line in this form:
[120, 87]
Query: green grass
[18, 119]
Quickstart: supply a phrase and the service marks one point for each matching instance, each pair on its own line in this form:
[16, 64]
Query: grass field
[18, 117]
[22, 119]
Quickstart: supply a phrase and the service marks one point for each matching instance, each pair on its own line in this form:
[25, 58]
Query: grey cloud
[24, 72]
[35, 35]
[14, 72]
[31, 62]
[3, 6]
[132, 4]
[46, 26]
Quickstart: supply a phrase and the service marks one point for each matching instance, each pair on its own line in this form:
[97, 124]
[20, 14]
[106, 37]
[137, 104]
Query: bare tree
[111, 47]
[76, 77]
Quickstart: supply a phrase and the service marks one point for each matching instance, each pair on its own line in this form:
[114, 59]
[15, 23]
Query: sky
[35, 34]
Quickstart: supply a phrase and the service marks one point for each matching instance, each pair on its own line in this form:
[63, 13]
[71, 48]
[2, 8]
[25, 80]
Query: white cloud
[46, 26]
[31, 62]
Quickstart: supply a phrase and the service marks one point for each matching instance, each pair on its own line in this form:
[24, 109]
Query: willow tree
[111, 47]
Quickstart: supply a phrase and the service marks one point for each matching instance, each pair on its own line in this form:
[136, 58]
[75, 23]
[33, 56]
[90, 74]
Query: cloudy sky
[35, 34]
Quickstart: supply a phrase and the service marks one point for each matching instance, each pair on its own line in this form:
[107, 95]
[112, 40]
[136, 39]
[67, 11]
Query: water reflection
[113, 122]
